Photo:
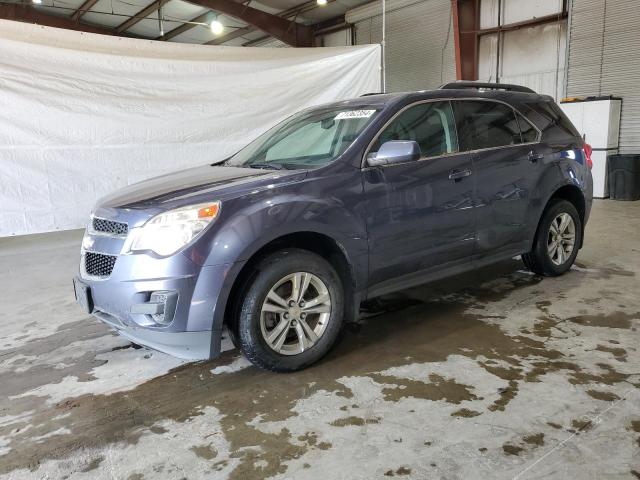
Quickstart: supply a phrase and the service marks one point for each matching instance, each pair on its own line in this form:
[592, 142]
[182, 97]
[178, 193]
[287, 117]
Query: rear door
[507, 163]
[420, 213]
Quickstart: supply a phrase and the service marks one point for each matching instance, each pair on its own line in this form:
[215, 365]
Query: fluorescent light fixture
[216, 27]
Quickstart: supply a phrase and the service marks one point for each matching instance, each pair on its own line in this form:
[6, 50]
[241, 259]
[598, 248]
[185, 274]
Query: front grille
[99, 264]
[109, 226]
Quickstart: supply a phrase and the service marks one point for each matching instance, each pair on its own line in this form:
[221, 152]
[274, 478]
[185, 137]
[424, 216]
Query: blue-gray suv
[335, 205]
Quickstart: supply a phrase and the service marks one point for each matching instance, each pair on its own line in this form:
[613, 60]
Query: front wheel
[557, 240]
[292, 311]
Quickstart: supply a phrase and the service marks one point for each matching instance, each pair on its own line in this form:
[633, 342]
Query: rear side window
[551, 120]
[429, 124]
[528, 131]
[484, 124]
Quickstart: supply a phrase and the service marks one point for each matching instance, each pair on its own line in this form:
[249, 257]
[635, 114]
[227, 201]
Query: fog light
[169, 300]
[161, 307]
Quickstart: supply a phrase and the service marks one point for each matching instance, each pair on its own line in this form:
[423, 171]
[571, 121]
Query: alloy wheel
[561, 238]
[295, 313]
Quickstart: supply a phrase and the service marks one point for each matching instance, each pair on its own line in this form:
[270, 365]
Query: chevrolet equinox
[335, 205]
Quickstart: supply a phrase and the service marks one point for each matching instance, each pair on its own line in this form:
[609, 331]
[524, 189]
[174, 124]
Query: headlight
[168, 232]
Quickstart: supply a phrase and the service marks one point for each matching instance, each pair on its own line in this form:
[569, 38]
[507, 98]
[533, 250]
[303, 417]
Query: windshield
[305, 140]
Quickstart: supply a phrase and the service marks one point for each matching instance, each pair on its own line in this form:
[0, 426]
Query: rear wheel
[557, 240]
[292, 311]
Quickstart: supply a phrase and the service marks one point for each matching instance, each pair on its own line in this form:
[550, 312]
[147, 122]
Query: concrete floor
[497, 374]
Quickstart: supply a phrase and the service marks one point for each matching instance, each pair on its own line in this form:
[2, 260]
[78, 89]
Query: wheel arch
[315, 242]
[574, 195]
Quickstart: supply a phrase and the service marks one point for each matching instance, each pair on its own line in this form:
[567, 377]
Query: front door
[420, 214]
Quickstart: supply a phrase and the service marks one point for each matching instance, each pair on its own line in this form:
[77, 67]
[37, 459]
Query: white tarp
[83, 114]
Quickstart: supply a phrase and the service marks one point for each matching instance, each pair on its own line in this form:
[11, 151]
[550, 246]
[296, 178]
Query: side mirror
[395, 151]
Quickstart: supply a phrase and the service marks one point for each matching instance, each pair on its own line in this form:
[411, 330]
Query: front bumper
[119, 300]
[186, 345]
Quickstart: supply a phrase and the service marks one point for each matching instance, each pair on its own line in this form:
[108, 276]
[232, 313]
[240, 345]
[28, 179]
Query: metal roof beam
[291, 12]
[24, 13]
[141, 15]
[186, 26]
[82, 9]
[288, 31]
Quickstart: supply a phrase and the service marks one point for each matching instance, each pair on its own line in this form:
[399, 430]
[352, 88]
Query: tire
[543, 259]
[294, 348]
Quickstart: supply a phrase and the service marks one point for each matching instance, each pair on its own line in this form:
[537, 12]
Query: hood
[190, 186]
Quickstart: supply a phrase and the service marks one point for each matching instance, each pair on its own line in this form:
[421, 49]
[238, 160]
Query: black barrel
[624, 177]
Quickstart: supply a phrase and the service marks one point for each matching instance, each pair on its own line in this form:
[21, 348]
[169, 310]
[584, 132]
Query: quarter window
[483, 124]
[429, 124]
[528, 131]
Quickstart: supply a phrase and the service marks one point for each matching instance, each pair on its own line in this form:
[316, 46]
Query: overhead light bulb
[37, 2]
[216, 27]
[321, 2]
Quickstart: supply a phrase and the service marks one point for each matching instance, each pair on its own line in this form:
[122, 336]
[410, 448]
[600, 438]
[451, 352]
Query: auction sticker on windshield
[354, 114]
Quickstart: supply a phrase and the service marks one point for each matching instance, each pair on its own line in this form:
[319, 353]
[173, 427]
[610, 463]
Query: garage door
[603, 44]
[420, 50]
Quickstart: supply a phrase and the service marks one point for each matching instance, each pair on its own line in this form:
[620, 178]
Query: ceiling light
[37, 2]
[321, 2]
[216, 27]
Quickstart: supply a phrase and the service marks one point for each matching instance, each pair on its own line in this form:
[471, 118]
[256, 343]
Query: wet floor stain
[311, 439]
[207, 452]
[606, 272]
[354, 421]
[581, 424]
[619, 354]
[606, 320]
[436, 388]
[535, 439]
[399, 472]
[98, 420]
[465, 413]
[510, 449]
[604, 396]
[430, 331]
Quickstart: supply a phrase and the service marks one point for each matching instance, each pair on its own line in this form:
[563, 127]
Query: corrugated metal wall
[604, 59]
[533, 57]
[419, 45]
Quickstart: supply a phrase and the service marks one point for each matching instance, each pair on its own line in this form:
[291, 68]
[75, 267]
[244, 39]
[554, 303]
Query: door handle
[534, 156]
[458, 175]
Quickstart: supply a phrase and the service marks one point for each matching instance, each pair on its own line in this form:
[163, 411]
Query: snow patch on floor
[168, 455]
[239, 363]
[123, 370]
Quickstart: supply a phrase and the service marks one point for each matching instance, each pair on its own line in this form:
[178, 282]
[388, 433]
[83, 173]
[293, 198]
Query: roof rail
[371, 93]
[486, 85]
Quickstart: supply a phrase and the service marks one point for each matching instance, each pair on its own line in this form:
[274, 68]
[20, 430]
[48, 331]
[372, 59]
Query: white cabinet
[599, 122]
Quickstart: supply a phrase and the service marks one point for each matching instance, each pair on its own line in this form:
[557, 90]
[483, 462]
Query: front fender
[252, 221]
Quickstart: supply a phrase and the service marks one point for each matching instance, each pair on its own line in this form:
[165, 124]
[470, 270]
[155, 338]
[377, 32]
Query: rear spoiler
[461, 85]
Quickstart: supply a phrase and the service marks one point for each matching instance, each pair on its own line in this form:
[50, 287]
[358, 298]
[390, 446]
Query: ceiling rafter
[82, 9]
[27, 14]
[288, 31]
[289, 13]
[186, 26]
[141, 15]
[238, 32]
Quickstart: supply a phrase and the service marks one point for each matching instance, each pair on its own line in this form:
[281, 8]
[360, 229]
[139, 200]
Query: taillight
[587, 155]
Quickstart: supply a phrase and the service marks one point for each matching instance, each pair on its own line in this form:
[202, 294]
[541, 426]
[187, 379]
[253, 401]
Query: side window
[483, 124]
[528, 131]
[430, 124]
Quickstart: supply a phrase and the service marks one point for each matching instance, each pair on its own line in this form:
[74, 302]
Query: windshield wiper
[267, 166]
